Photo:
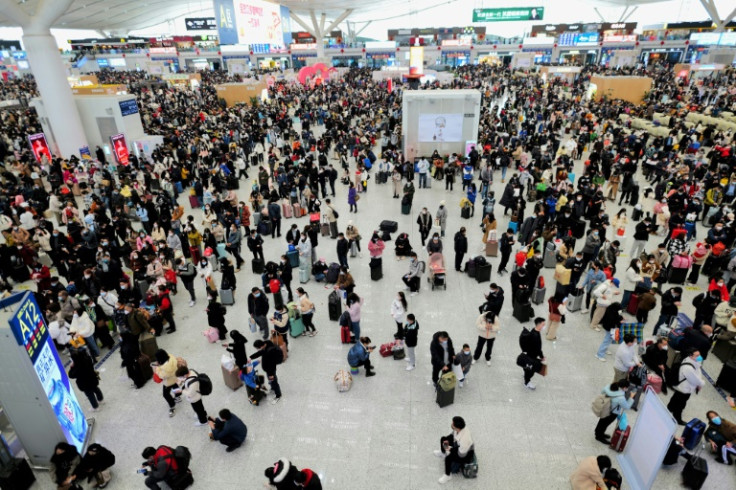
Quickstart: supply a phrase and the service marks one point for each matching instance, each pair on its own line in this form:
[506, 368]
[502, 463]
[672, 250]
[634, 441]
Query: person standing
[423, 170]
[488, 327]
[354, 304]
[461, 248]
[286, 275]
[617, 392]
[258, 309]
[443, 354]
[353, 198]
[272, 356]
[83, 370]
[234, 239]
[593, 278]
[255, 245]
[440, 217]
[689, 381]
[457, 448]
[424, 220]
[331, 215]
[411, 336]
[398, 313]
[274, 212]
[343, 247]
[84, 327]
[186, 271]
[165, 368]
[641, 236]
[306, 307]
[505, 243]
[359, 355]
[228, 430]
[530, 342]
[610, 321]
[165, 309]
[626, 358]
[188, 384]
[604, 295]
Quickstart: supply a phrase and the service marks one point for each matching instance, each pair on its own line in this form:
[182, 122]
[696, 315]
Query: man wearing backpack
[271, 356]
[188, 382]
[162, 465]
[609, 405]
[688, 379]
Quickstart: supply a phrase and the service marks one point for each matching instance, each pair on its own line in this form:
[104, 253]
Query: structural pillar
[50, 74]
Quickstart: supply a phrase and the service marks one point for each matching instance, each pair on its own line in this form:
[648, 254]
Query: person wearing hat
[455, 448]
[282, 474]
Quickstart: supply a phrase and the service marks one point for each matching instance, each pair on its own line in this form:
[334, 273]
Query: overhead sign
[200, 23]
[508, 14]
[227, 29]
[128, 107]
[39, 146]
[120, 149]
[32, 333]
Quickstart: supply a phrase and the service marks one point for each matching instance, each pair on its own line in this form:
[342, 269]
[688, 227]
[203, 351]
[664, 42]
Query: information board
[508, 14]
[128, 107]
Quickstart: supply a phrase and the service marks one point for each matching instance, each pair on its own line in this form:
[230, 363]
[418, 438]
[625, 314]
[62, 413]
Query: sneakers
[231, 448]
[191, 303]
[596, 328]
[531, 385]
[275, 400]
[410, 367]
[171, 412]
[413, 294]
[444, 479]
[460, 384]
[602, 359]
[473, 362]
[488, 362]
[585, 310]
[314, 334]
[439, 454]
[199, 424]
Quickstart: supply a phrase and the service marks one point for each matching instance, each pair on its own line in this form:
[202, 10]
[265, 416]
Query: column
[50, 74]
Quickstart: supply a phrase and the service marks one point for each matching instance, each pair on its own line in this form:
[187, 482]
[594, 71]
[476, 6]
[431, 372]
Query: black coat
[411, 334]
[461, 243]
[258, 306]
[696, 340]
[216, 314]
[531, 342]
[83, 369]
[268, 356]
[438, 352]
[285, 270]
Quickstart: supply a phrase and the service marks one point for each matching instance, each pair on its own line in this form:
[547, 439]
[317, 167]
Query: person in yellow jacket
[165, 368]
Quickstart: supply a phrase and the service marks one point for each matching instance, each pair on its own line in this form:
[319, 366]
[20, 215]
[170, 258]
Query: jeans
[607, 340]
[274, 381]
[263, 324]
[637, 248]
[92, 344]
[625, 299]
[230, 441]
[189, 285]
[94, 396]
[342, 260]
[198, 408]
[503, 173]
[423, 180]
[479, 348]
[355, 328]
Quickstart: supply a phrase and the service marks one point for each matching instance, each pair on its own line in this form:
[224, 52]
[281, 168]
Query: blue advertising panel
[227, 28]
[286, 25]
[32, 333]
[128, 107]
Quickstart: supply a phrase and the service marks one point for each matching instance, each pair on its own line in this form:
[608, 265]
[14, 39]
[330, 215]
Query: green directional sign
[509, 14]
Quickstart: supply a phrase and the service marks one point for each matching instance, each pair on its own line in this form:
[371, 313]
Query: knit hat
[280, 469]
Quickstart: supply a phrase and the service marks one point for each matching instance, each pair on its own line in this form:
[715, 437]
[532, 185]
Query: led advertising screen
[227, 31]
[39, 146]
[507, 14]
[128, 107]
[416, 60]
[120, 149]
[32, 333]
[258, 22]
[440, 128]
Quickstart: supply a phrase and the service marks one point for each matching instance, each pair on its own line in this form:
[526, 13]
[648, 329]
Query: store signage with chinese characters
[31, 331]
[303, 47]
[200, 23]
[449, 43]
[508, 14]
[169, 50]
[619, 38]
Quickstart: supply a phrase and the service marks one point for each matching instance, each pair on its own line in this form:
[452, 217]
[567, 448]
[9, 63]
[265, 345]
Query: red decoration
[554, 45]
[438, 48]
[251, 52]
[289, 51]
[364, 50]
[148, 55]
[637, 43]
[687, 42]
[342, 50]
[471, 47]
[123, 55]
[398, 49]
[600, 44]
[520, 46]
[494, 46]
[661, 43]
[219, 53]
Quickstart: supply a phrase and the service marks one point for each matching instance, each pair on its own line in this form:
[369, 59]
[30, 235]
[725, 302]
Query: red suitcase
[196, 257]
[620, 438]
[286, 210]
[345, 334]
[194, 202]
[633, 304]
[297, 210]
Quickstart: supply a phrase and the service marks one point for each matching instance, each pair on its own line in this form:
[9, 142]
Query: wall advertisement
[120, 149]
[39, 146]
[440, 128]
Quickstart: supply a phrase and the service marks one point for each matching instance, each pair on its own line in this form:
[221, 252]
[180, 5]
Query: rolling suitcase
[148, 345]
[221, 251]
[470, 268]
[523, 311]
[465, 212]
[303, 276]
[389, 226]
[575, 300]
[257, 266]
[376, 266]
[445, 398]
[483, 272]
[492, 248]
[227, 297]
[264, 227]
[334, 306]
[232, 377]
[633, 304]
[345, 334]
[143, 287]
[354, 249]
[194, 202]
[196, 257]
[695, 473]
[293, 258]
[325, 229]
[256, 219]
[692, 433]
[727, 377]
[405, 208]
[143, 367]
[620, 438]
[287, 210]
[578, 229]
[333, 273]
[296, 326]
[678, 275]
[538, 295]
[550, 256]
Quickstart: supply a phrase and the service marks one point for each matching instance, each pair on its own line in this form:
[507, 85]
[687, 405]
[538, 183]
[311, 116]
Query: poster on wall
[39, 146]
[259, 22]
[440, 128]
[85, 153]
[32, 333]
[120, 149]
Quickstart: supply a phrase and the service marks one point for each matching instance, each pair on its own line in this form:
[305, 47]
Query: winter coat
[487, 330]
[438, 352]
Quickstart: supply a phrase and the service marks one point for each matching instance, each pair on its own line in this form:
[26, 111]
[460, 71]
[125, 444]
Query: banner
[120, 149]
[286, 25]
[259, 22]
[227, 29]
[39, 146]
[32, 333]
[85, 153]
[508, 14]
[200, 23]
[440, 128]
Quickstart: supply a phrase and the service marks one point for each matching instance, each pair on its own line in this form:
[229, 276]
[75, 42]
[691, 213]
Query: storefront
[301, 60]
[455, 58]
[579, 57]
[494, 58]
[347, 61]
[376, 60]
[236, 59]
[171, 64]
[608, 52]
[277, 61]
[661, 56]
[207, 64]
[540, 55]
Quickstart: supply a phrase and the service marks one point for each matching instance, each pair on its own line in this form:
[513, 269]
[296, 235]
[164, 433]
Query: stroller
[437, 273]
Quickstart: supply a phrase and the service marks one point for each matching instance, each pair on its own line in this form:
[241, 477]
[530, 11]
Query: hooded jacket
[438, 352]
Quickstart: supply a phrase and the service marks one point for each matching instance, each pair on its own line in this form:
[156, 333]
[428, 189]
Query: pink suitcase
[212, 335]
[297, 211]
[286, 210]
[654, 382]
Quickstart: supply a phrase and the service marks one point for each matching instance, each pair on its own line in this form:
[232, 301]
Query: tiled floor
[381, 434]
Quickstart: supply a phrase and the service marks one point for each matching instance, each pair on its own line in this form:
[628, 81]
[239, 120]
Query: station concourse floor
[382, 432]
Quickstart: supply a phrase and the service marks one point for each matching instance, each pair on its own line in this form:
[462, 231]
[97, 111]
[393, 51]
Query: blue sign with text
[227, 28]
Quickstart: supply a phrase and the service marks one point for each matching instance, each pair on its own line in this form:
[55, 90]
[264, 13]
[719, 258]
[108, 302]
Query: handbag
[157, 378]
[227, 362]
[623, 421]
[357, 197]
[77, 342]
[542, 370]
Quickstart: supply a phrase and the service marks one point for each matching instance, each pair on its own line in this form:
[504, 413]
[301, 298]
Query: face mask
[257, 295]
[719, 228]
[444, 344]
[87, 276]
[467, 352]
[651, 261]
[699, 359]
[103, 294]
[61, 299]
[123, 287]
[716, 420]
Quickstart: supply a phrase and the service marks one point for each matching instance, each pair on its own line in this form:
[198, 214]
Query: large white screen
[259, 22]
[440, 127]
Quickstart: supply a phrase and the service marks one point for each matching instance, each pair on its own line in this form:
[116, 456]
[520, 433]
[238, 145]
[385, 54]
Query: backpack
[601, 406]
[422, 267]
[524, 338]
[676, 336]
[205, 384]
[183, 456]
[674, 379]
[278, 355]
[344, 320]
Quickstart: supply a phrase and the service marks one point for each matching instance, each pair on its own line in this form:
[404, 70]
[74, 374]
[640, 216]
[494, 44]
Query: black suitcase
[673, 453]
[445, 398]
[465, 212]
[405, 208]
[333, 272]
[727, 378]
[389, 226]
[578, 229]
[523, 311]
[233, 183]
[694, 473]
[636, 214]
[678, 275]
[376, 267]
[334, 306]
[257, 266]
[483, 272]
[470, 268]
[264, 227]
[634, 199]
[17, 474]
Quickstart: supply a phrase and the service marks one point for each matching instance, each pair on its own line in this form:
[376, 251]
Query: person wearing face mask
[398, 313]
[589, 473]
[258, 310]
[621, 399]
[204, 270]
[718, 284]
[632, 277]
[84, 327]
[443, 354]
[641, 236]
[413, 278]
[721, 434]
[717, 234]
[188, 383]
[424, 220]
[440, 217]
[689, 380]
[410, 334]
[655, 359]
[434, 245]
[592, 242]
[671, 302]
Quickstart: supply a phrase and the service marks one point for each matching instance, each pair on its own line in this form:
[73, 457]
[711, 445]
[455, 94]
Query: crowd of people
[122, 238]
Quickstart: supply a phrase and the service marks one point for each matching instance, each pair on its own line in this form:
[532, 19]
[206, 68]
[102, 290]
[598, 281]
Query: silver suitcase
[574, 303]
[227, 297]
[538, 295]
[303, 276]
